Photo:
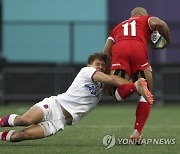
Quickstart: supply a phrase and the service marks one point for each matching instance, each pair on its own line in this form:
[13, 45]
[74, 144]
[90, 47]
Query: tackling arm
[109, 79]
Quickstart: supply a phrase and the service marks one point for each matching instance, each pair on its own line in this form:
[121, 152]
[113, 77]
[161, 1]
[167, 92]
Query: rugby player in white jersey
[52, 114]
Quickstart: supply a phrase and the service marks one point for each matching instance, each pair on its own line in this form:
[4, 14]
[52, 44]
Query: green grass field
[86, 136]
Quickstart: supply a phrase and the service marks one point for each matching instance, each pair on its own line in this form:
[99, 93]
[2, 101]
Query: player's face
[99, 65]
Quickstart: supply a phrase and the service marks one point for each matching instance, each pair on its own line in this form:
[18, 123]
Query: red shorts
[129, 55]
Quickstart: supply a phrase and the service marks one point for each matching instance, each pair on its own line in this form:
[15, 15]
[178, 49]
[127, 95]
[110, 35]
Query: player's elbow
[157, 26]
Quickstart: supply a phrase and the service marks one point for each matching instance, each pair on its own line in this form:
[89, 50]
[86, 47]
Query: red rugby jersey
[136, 27]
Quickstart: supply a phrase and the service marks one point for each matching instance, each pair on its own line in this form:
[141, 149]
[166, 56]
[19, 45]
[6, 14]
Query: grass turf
[86, 136]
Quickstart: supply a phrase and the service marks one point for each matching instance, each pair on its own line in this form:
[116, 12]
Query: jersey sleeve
[111, 36]
[149, 17]
[88, 73]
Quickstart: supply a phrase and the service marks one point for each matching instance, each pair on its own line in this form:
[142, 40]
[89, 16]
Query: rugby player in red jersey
[127, 51]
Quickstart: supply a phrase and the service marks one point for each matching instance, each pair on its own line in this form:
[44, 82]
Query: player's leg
[120, 66]
[125, 90]
[33, 132]
[142, 88]
[32, 116]
[146, 74]
[55, 122]
[143, 108]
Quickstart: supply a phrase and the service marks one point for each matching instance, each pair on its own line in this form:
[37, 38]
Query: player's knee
[49, 128]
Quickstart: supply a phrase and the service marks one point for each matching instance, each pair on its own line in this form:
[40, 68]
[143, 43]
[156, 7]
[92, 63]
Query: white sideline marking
[125, 126]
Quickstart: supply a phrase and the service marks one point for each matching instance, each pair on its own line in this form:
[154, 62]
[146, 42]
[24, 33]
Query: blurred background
[44, 43]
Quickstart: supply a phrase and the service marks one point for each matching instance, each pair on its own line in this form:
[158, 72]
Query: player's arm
[159, 25]
[108, 46]
[107, 51]
[109, 79]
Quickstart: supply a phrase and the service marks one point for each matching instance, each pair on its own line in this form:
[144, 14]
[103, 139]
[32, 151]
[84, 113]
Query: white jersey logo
[94, 89]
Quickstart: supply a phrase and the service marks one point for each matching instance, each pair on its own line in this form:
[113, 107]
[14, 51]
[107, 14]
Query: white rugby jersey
[83, 94]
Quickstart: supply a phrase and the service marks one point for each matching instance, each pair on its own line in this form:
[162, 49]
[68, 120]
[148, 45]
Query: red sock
[3, 135]
[126, 90]
[142, 113]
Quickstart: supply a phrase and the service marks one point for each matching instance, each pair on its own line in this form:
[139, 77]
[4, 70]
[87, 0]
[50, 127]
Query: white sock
[11, 119]
[8, 136]
[118, 97]
[1, 135]
[142, 99]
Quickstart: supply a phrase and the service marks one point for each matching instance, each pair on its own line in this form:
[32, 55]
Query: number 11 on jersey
[132, 25]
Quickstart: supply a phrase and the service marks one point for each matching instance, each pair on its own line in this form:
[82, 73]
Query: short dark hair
[99, 56]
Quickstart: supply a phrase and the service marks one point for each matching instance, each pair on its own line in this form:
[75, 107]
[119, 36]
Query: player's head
[98, 61]
[139, 11]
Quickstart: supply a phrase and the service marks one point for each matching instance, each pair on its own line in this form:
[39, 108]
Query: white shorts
[53, 120]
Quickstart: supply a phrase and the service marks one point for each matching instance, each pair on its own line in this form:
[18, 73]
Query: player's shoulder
[84, 69]
[87, 71]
